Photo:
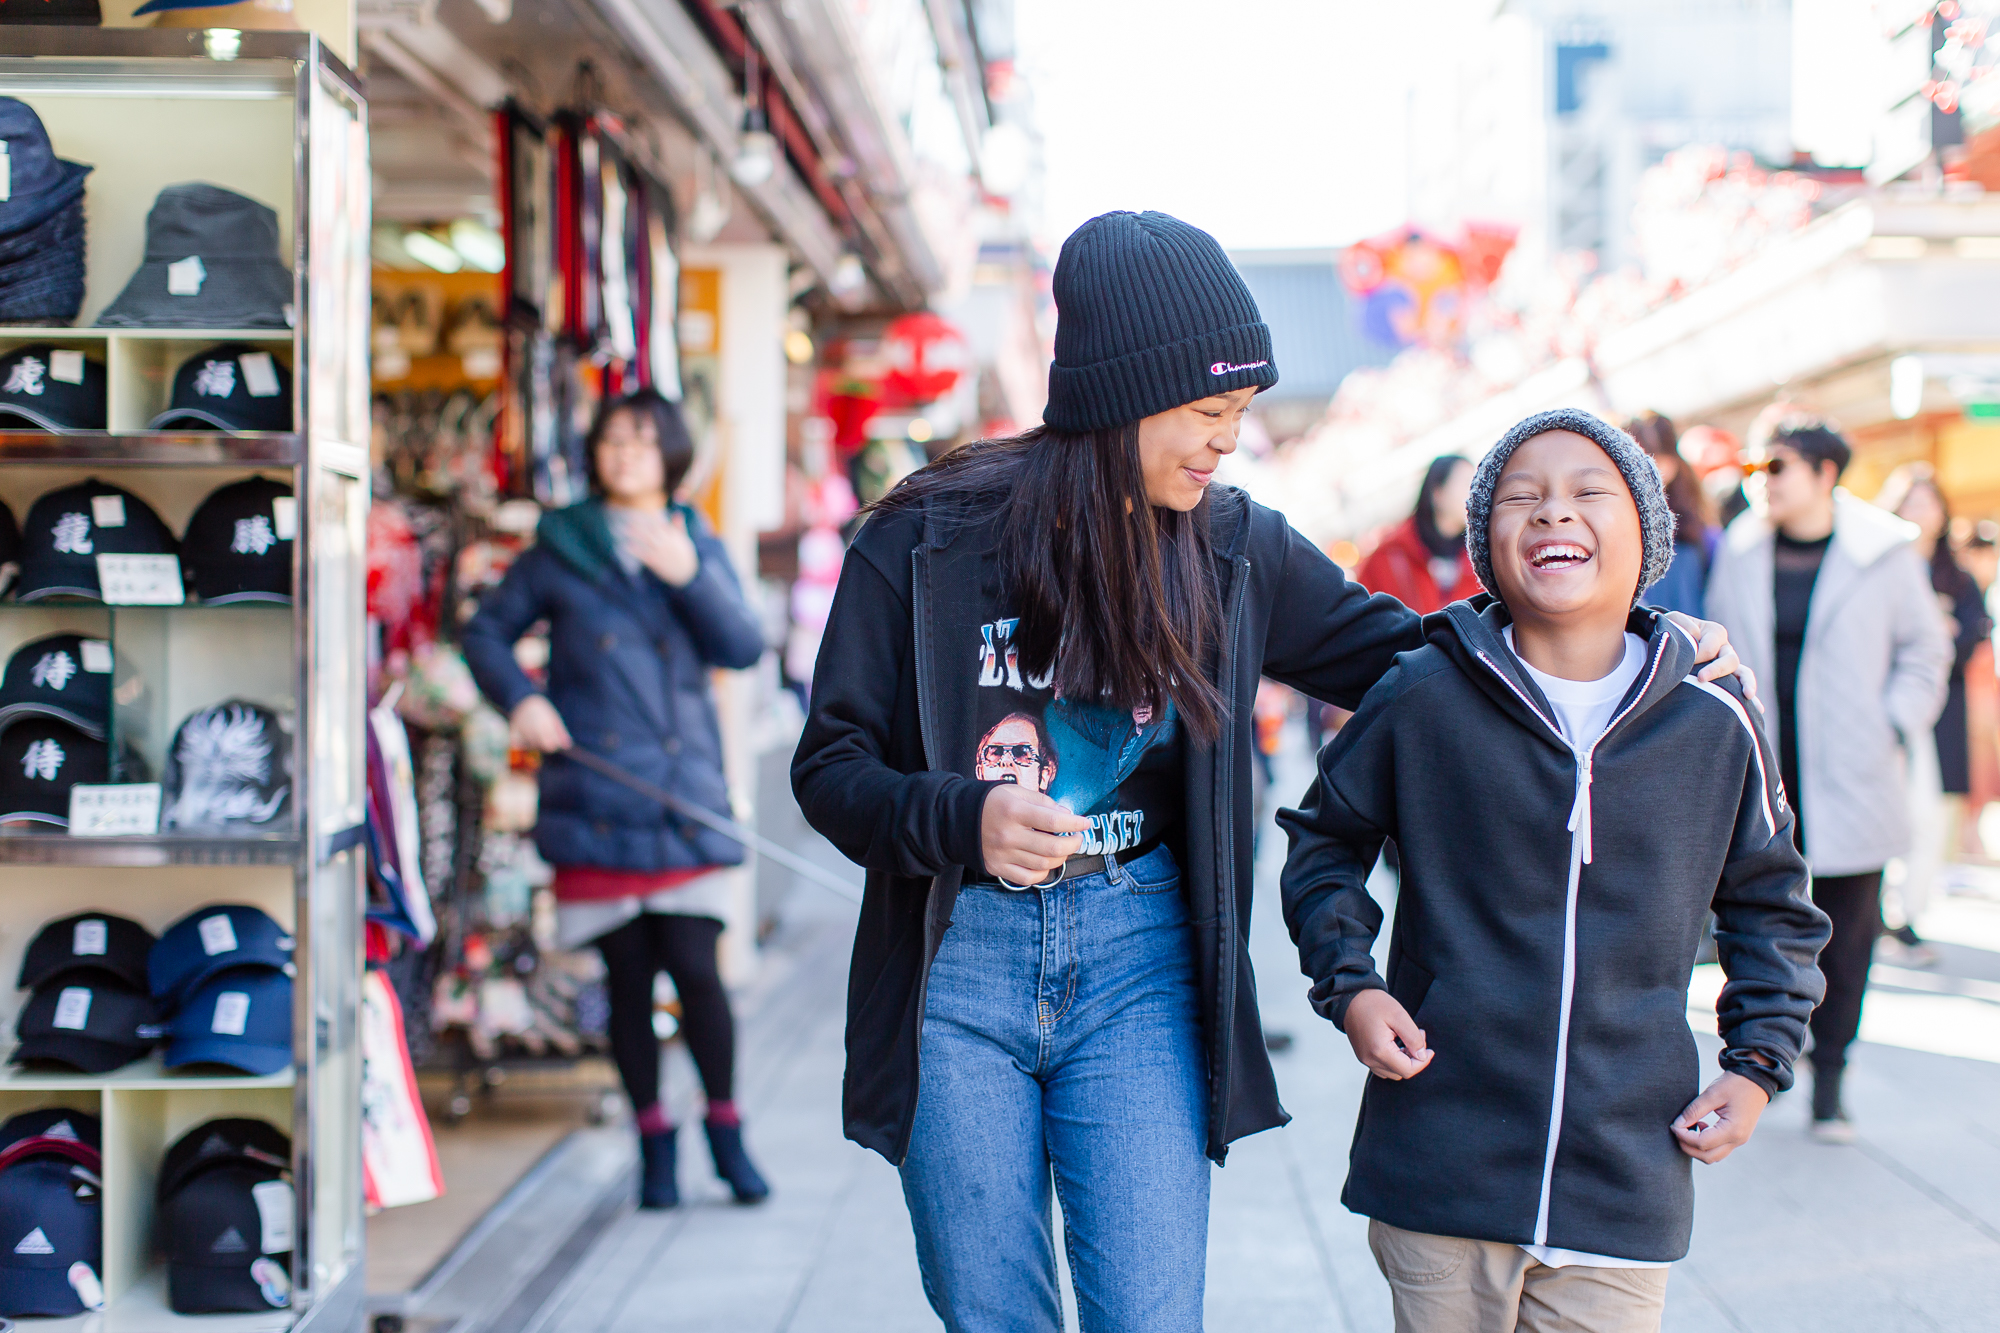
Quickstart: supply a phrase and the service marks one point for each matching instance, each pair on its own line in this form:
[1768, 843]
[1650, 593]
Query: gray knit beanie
[1642, 478]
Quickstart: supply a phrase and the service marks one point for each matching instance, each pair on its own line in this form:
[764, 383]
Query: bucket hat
[212, 261]
[42, 269]
[38, 182]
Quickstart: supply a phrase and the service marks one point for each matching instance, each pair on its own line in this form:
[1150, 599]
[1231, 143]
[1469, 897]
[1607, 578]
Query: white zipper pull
[1583, 800]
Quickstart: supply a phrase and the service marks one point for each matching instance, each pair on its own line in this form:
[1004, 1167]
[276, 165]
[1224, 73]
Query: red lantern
[925, 358]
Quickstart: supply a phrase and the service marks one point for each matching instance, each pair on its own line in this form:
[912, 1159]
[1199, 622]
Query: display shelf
[147, 1075]
[157, 849]
[152, 449]
[143, 1309]
[15, 334]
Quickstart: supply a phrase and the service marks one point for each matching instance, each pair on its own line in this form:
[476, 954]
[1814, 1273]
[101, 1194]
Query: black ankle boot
[732, 1163]
[657, 1185]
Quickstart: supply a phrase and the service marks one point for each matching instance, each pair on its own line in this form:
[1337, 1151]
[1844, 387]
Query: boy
[1569, 803]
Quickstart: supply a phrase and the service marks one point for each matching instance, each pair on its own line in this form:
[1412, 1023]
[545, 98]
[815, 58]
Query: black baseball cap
[241, 1018]
[53, 1122]
[215, 939]
[51, 388]
[87, 942]
[64, 676]
[231, 387]
[40, 760]
[220, 1142]
[68, 529]
[229, 770]
[93, 1024]
[51, 1238]
[228, 1235]
[238, 545]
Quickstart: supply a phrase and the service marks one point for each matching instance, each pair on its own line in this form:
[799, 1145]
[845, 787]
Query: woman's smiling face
[1564, 534]
[1180, 448]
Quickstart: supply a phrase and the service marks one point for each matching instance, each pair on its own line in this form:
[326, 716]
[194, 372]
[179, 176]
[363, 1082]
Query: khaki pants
[1442, 1284]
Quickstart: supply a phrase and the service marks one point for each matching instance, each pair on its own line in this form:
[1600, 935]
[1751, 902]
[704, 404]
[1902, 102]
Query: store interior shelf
[159, 849]
[143, 1309]
[151, 448]
[140, 1076]
[30, 333]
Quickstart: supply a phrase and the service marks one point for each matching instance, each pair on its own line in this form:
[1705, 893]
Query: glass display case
[184, 619]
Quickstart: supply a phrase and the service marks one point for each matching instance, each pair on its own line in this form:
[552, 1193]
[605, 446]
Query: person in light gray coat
[1826, 599]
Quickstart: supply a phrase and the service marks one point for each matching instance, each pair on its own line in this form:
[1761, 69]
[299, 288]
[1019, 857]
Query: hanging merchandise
[41, 223]
[212, 262]
[925, 358]
[395, 841]
[44, 387]
[399, 1161]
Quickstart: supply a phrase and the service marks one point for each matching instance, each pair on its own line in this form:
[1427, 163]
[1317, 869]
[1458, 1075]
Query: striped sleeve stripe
[1750, 730]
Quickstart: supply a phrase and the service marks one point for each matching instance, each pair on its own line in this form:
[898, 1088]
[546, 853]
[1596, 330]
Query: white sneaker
[1837, 1130]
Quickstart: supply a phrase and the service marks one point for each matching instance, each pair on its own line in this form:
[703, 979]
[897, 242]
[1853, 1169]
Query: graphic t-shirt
[1120, 769]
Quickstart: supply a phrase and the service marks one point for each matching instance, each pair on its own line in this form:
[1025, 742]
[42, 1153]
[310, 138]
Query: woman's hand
[536, 725]
[662, 544]
[1711, 645]
[1385, 1037]
[1735, 1102]
[1023, 835]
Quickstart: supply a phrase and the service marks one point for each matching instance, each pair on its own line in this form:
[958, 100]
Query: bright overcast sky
[1271, 123]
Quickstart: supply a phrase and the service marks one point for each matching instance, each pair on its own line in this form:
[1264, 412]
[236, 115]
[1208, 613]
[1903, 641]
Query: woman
[1695, 531]
[1097, 1031]
[1940, 775]
[1423, 563]
[641, 604]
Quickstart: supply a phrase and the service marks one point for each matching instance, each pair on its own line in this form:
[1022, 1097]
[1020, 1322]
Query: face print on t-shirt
[1016, 749]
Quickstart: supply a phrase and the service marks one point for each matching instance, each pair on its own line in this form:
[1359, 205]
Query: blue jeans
[1062, 1046]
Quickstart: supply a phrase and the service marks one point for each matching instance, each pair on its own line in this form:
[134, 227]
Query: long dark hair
[1657, 436]
[1123, 592]
[1895, 493]
[1434, 539]
[676, 446]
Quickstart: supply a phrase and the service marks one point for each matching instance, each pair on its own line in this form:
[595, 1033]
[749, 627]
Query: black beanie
[1150, 315]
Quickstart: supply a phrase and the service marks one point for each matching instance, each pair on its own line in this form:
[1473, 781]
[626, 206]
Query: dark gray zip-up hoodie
[1545, 934]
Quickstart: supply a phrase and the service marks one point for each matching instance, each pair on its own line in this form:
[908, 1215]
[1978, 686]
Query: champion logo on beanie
[1225, 368]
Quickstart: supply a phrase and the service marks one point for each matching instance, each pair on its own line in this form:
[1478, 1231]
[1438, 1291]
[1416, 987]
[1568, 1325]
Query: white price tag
[274, 1211]
[141, 580]
[232, 1011]
[108, 810]
[184, 276]
[89, 937]
[108, 511]
[96, 655]
[6, 173]
[260, 377]
[218, 935]
[66, 366]
[72, 1008]
[285, 517]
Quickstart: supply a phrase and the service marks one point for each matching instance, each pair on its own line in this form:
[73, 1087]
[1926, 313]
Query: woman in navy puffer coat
[641, 604]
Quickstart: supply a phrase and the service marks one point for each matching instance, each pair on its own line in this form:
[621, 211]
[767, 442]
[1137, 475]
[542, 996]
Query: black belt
[1074, 868]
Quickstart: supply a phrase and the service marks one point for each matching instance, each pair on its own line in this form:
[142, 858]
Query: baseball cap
[40, 760]
[227, 1232]
[65, 676]
[241, 1018]
[68, 529]
[51, 388]
[218, 1142]
[88, 941]
[51, 1238]
[211, 262]
[229, 769]
[214, 939]
[238, 545]
[92, 1024]
[232, 387]
[53, 1122]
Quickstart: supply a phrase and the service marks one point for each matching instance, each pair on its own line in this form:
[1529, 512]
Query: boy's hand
[1376, 1023]
[1735, 1103]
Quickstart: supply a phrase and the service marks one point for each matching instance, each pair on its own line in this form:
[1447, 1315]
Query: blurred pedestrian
[1941, 774]
[1831, 604]
[641, 604]
[1717, 459]
[1422, 562]
[1032, 724]
[1695, 532]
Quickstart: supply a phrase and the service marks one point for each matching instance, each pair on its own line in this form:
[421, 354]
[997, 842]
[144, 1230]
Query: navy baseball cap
[228, 1235]
[238, 545]
[53, 1122]
[68, 529]
[219, 1142]
[88, 1023]
[66, 676]
[90, 942]
[214, 939]
[231, 387]
[51, 1238]
[40, 760]
[51, 388]
[241, 1018]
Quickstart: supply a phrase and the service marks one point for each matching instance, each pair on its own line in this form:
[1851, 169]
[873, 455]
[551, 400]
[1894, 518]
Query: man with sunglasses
[1825, 597]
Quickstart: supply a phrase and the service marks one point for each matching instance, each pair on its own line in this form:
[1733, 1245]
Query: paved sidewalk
[1901, 1231]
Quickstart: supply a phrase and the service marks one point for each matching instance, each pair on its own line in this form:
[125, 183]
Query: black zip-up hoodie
[1545, 933]
[883, 770]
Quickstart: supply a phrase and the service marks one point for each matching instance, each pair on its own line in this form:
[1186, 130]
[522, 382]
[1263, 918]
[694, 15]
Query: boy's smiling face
[1564, 533]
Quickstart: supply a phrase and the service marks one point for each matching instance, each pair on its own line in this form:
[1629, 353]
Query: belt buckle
[1012, 887]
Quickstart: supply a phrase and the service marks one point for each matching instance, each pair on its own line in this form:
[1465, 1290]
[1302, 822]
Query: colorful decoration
[925, 358]
[1414, 285]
